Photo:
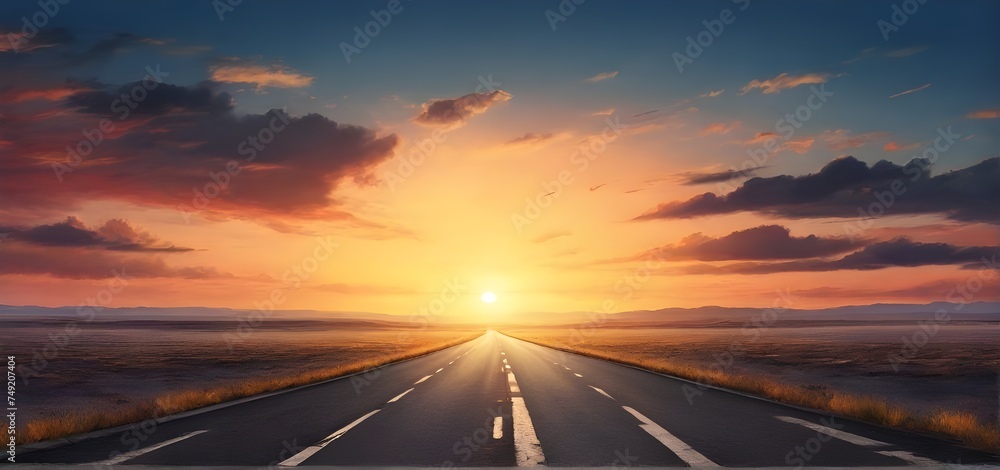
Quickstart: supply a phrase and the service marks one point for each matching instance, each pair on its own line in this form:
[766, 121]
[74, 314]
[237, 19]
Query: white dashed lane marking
[860, 441]
[135, 453]
[423, 379]
[677, 446]
[305, 454]
[399, 396]
[602, 392]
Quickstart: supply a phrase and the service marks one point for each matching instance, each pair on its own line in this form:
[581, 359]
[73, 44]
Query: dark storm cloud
[767, 242]
[900, 252]
[693, 178]
[115, 234]
[846, 184]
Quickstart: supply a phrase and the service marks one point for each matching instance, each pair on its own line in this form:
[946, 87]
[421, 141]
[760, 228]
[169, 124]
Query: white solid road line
[423, 379]
[399, 396]
[498, 427]
[677, 446]
[305, 454]
[602, 392]
[861, 441]
[135, 453]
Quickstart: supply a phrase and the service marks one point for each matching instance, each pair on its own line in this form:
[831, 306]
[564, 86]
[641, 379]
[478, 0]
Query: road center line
[861, 441]
[527, 449]
[512, 382]
[399, 396]
[305, 454]
[602, 392]
[439, 370]
[498, 427]
[423, 379]
[135, 453]
[677, 446]
[578, 375]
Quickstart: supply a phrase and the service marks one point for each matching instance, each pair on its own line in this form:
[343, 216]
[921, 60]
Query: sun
[489, 297]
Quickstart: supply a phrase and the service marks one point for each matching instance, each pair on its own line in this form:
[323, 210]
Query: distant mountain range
[974, 311]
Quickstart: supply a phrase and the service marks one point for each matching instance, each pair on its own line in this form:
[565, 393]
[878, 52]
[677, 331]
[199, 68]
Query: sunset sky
[491, 103]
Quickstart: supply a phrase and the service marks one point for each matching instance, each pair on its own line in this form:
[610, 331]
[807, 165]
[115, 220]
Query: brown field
[116, 374]
[949, 387]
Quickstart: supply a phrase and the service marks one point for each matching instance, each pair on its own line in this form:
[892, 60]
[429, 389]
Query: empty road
[499, 401]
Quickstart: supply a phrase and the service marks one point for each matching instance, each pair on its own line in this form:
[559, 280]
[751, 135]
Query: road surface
[499, 401]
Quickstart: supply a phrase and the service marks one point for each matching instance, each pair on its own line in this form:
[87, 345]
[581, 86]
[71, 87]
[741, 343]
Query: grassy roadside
[946, 423]
[72, 423]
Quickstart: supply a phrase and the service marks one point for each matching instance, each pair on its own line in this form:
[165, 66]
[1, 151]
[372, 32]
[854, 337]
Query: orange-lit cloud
[784, 82]
[720, 128]
[841, 139]
[984, 114]
[895, 147]
[236, 70]
[602, 76]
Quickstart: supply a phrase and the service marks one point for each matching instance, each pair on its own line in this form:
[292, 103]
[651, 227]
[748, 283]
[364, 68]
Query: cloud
[115, 235]
[846, 185]
[89, 264]
[70, 250]
[900, 252]
[604, 112]
[933, 290]
[693, 178]
[895, 147]
[712, 93]
[551, 235]
[237, 70]
[984, 114]
[602, 76]
[799, 146]
[176, 138]
[716, 128]
[842, 139]
[452, 113]
[530, 138]
[163, 99]
[912, 90]
[784, 82]
[766, 242]
[905, 52]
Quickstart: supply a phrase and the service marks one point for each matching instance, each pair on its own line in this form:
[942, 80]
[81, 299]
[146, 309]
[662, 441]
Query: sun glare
[489, 297]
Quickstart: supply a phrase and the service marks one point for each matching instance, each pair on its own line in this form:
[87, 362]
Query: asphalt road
[499, 401]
